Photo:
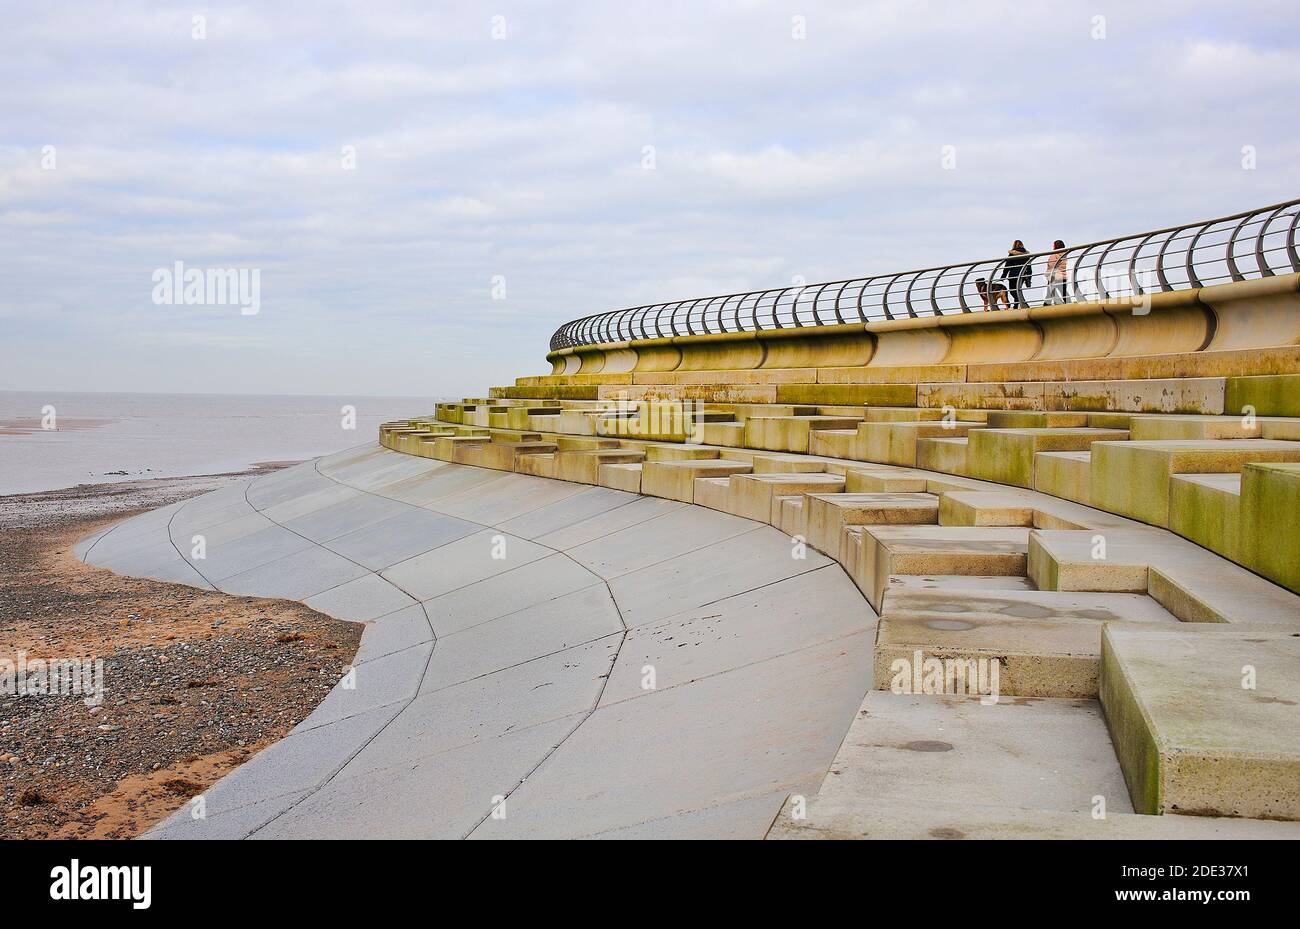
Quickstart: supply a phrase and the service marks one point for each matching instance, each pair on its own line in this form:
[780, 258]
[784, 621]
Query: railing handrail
[631, 323]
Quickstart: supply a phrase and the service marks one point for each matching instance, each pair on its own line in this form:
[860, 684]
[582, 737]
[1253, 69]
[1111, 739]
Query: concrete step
[786, 464]
[1205, 719]
[948, 456]
[501, 455]
[582, 466]
[679, 453]
[1195, 585]
[730, 435]
[908, 582]
[1063, 474]
[789, 433]
[1035, 419]
[895, 443]
[985, 508]
[1132, 478]
[1263, 395]
[620, 477]
[752, 495]
[1036, 643]
[1205, 509]
[1024, 756]
[1007, 455]
[791, 515]
[1155, 428]
[828, 514]
[675, 480]
[868, 481]
[889, 550]
[1269, 534]
[834, 443]
[712, 492]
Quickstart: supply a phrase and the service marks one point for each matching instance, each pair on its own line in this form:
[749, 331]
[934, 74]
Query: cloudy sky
[383, 165]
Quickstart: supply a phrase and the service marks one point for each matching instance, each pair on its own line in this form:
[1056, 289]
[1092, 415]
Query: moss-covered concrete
[1271, 395]
[1270, 522]
[1205, 509]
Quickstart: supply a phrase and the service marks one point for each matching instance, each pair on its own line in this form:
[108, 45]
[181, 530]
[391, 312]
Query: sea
[51, 440]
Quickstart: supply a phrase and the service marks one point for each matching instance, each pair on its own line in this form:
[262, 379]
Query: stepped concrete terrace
[941, 574]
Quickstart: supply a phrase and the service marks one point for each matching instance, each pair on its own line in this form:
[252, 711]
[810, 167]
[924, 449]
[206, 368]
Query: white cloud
[522, 158]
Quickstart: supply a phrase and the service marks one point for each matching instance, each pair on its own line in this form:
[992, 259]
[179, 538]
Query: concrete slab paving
[349, 514]
[516, 588]
[434, 797]
[394, 632]
[462, 562]
[573, 509]
[533, 632]
[408, 532]
[754, 626]
[598, 527]
[363, 599]
[484, 707]
[298, 576]
[679, 741]
[760, 557]
[672, 534]
[382, 681]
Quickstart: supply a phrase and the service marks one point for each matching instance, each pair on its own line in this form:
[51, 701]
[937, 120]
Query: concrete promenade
[522, 676]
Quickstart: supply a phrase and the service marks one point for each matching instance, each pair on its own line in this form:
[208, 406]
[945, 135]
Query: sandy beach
[195, 681]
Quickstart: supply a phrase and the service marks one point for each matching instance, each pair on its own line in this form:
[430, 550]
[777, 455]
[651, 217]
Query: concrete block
[1269, 541]
[789, 433]
[888, 550]
[1088, 560]
[1265, 395]
[984, 396]
[675, 480]
[583, 467]
[834, 443]
[948, 456]
[1007, 455]
[751, 494]
[985, 508]
[896, 443]
[1183, 395]
[620, 477]
[1204, 508]
[1063, 474]
[1032, 419]
[713, 492]
[1046, 643]
[729, 435]
[869, 481]
[828, 514]
[791, 516]
[1132, 478]
[1152, 428]
[1190, 737]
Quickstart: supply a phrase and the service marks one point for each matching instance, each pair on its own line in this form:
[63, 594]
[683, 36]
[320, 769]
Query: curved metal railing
[1257, 243]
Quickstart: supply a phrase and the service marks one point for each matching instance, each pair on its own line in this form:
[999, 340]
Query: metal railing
[1254, 244]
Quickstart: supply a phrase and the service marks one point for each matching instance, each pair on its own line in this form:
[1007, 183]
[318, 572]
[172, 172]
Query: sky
[424, 191]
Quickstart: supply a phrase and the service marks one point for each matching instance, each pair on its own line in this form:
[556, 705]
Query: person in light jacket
[1058, 267]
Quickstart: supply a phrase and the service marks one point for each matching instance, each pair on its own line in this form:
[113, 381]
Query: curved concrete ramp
[513, 625]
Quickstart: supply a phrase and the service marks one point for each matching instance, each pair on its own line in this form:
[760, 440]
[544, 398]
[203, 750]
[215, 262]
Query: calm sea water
[172, 435]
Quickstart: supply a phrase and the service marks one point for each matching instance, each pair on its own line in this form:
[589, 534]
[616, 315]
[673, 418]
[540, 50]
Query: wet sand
[195, 681]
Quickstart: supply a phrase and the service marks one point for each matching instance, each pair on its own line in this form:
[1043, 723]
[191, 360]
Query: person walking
[1016, 271]
[1058, 267]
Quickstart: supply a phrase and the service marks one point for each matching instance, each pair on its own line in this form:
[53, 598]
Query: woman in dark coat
[1016, 271]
